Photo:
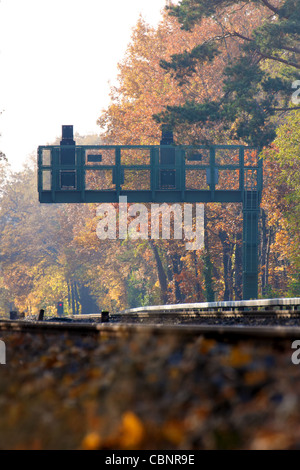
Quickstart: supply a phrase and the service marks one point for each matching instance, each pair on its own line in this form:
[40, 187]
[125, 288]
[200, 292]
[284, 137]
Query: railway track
[268, 318]
[196, 373]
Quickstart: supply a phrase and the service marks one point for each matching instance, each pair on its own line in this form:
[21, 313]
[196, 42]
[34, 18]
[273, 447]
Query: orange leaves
[206, 345]
[92, 441]
[147, 392]
[132, 431]
[237, 357]
[271, 440]
[128, 435]
[145, 88]
[255, 377]
[173, 431]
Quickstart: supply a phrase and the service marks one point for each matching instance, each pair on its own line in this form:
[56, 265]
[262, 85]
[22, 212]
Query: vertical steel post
[250, 244]
[153, 172]
[251, 210]
[212, 163]
[118, 170]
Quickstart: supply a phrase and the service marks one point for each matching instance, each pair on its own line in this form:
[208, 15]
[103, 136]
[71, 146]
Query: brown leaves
[141, 392]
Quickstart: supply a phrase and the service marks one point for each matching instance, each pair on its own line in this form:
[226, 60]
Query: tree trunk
[160, 272]
[176, 270]
[87, 301]
[74, 309]
[266, 241]
[227, 265]
[238, 267]
[208, 266]
[69, 295]
[199, 291]
[208, 278]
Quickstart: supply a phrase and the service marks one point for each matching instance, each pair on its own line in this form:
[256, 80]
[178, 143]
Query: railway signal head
[60, 308]
[67, 136]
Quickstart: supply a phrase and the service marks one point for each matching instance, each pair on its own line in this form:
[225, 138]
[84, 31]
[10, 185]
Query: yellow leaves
[35, 444]
[173, 431]
[94, 373]
[254, 377]
[159, 393]
[270, 440]
[206, 345]
[92, 441]
[128, 435]
[132, 431]
[237, 357]
[14, 413]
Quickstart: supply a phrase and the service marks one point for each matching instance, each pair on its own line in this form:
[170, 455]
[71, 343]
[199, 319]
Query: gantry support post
[250, 244]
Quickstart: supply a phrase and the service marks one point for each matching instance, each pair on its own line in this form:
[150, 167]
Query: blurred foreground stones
[60, 391]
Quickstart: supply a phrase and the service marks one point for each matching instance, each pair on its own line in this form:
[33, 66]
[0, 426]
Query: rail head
[205, 306]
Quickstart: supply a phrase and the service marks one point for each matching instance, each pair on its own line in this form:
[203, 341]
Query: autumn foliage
[51, 253]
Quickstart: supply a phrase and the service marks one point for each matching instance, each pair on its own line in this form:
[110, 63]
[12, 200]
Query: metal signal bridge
[70, 173]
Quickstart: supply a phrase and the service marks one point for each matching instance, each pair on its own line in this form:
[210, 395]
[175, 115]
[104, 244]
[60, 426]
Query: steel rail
[192, 314]
[237, 331]
[165, 319]
[266, 304]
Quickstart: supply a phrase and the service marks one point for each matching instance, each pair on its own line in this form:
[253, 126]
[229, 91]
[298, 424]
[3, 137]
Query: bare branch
[291, 49]
[271, 7]
[286, 48]
[278, 59]
[286, 109]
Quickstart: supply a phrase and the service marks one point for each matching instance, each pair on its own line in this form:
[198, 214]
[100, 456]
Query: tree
[257, 79]
[143, 89]
[281, 203]
[29, 239]
[40, 262]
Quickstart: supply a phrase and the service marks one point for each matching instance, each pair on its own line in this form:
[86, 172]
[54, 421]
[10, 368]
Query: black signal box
[60, 308]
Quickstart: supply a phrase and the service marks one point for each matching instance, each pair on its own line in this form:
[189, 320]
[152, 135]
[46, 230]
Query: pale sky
[58, 58]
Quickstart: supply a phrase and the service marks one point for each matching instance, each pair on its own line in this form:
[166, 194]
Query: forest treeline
[219, 72]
